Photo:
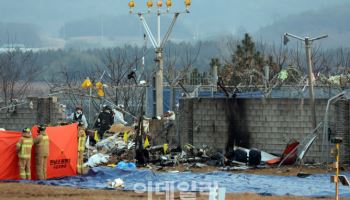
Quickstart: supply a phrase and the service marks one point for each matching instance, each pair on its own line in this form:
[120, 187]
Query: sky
[216, 14]
[207, 17]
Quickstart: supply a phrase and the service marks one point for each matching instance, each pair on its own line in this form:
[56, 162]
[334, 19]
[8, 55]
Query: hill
[331, 20]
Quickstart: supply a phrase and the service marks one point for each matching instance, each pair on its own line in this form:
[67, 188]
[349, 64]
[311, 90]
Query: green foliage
[246, 65]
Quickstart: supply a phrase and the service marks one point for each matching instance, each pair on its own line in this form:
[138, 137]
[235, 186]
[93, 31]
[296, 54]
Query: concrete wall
[163, 131]
[45, 110]
[266, 124]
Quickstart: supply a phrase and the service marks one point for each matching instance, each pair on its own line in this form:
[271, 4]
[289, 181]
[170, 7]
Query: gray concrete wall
[45, 110]
[162, 132]
[266, 124]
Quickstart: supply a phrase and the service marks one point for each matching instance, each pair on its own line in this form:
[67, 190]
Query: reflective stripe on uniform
[81, 140]
[42, 145]
[46, 139]
[26, 148]
[81, 143]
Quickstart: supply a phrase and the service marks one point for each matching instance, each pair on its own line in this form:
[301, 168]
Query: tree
[248, 63]
[119, 65]
[177, 66]
[258, 66]
[178, 63]
[18, 70]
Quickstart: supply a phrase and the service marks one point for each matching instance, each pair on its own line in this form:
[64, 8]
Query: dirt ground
[282, 171]
[20, 191]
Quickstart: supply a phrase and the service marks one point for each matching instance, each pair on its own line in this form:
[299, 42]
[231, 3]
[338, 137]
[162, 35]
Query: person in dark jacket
[78, 115]
[104, 121]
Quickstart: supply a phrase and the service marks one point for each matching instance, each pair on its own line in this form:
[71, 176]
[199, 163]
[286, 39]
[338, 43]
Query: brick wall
[266, 124]
[44, 110]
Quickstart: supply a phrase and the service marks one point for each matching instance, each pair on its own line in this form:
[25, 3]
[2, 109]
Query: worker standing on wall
[78, 115]
[24, 149]
[81, 147]
[42, 145]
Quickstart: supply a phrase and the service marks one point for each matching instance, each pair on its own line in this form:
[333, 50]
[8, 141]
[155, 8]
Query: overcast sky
[250, 14]
[207, 17]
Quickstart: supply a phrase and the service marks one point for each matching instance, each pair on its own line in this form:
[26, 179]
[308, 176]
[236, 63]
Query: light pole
[308, 42]
[158, 43]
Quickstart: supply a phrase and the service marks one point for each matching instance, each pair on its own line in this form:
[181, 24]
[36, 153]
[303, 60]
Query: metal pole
[173, 98]
[171, 91]
[337, 172]
[159, 83]
[171, 95]
[308, 43]
[311, 84]
[325, 141]
[90, 93]
[158, 45]
[158, 28]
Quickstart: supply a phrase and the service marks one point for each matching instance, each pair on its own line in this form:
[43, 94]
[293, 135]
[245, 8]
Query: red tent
[9, 169]
[62, 160]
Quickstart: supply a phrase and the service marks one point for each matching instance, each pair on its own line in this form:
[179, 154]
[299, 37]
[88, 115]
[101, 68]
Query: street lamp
[158, 43]
[307, 41]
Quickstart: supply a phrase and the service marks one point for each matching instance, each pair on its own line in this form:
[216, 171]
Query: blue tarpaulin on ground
[318, 185]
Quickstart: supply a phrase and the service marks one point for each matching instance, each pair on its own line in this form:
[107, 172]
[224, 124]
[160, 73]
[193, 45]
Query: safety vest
[42, 145]
[81, 140]
[25, 146]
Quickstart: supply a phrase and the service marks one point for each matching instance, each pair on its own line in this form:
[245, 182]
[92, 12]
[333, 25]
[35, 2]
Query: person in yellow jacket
[24, 150]
[81, 147]
[42, 144]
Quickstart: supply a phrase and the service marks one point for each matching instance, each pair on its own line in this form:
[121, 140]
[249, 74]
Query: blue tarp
[313, 186]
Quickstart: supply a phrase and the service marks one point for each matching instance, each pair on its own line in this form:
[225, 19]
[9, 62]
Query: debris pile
[109, 151]
[127, 147]
[119, 150]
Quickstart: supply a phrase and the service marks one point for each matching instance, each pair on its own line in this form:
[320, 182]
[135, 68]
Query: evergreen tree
[247, 65]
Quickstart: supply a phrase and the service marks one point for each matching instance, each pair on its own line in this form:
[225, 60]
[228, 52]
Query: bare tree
[296, 58]
[121, 78]
[170, 61]
[18, 70]
[178, 66]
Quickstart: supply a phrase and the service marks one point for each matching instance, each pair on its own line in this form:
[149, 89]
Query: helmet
[41, 127]
[106, 107]
[26, 130]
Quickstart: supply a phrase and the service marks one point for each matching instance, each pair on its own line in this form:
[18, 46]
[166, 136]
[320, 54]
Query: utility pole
[308, 42]
[158, 43]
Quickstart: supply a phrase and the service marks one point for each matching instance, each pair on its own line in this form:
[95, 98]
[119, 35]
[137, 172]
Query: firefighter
[24, 149]
[42, 144]
[81, 146]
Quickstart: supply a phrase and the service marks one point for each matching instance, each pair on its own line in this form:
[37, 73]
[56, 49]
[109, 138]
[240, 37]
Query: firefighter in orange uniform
[24, 149]
[42, 144]
[81, 147]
